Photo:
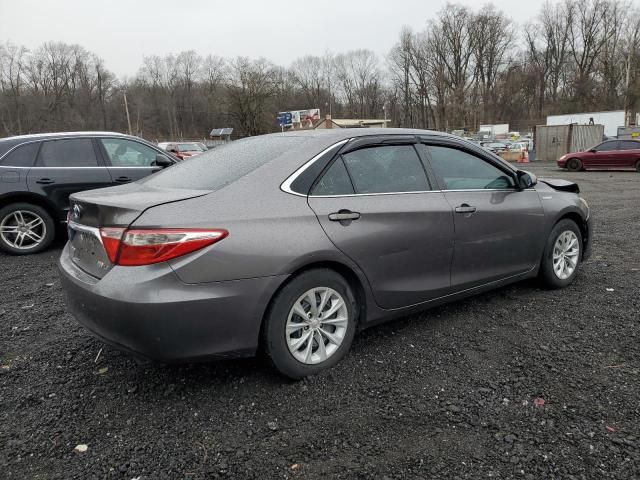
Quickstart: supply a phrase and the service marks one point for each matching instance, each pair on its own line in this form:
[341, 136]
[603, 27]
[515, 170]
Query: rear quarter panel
[269, 234]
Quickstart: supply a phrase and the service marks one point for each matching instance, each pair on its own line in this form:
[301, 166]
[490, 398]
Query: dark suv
[39, 172]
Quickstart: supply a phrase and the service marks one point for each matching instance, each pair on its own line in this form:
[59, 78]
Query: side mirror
[162, 161]
[526, 179]
[592, 150]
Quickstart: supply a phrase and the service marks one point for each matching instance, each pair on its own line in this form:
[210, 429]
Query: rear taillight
[145, 247]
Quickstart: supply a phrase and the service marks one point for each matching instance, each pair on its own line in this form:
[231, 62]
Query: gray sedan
[294, 241]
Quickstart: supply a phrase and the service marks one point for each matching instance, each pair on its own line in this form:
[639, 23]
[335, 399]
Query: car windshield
[189, 147]
[223, 165]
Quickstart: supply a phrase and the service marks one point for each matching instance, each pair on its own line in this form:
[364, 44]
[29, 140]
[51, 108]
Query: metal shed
[553, 141]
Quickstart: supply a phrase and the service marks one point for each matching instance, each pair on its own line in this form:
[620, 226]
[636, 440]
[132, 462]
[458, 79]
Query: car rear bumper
[149, 312]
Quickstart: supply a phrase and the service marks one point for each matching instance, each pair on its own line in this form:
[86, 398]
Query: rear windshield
[223, 165]
[189, 147]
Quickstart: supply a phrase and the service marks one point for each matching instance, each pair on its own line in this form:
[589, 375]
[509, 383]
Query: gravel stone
[421, 397]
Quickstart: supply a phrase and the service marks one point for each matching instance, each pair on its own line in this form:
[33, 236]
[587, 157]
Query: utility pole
[126, 109]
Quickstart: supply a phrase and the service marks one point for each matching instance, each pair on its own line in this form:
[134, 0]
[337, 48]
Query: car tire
[294, 350]
[564, 246]
[574, 165]
[638, 166]
[25, 228]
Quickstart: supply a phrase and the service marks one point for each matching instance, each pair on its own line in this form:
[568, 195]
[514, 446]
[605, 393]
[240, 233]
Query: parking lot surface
[516, 383]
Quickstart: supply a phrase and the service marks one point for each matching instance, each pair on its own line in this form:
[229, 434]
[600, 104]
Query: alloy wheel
[23, 229]
[566, 252]
[316, 325]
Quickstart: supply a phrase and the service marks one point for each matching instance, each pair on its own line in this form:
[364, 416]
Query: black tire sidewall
[574, 165]
[547, 274]
[42, 213]
[274, 339]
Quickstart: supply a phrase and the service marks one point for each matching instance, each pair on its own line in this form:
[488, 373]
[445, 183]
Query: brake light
[145, 247]
[111, 240]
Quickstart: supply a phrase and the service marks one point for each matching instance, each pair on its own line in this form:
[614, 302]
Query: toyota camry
[290, 243]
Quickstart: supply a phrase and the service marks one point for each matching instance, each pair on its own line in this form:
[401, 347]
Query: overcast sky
[123, 31]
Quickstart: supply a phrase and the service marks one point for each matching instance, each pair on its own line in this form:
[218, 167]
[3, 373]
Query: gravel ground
[517, 383]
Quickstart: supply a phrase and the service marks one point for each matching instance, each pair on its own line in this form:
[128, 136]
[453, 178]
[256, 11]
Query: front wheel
[25, 228]
[562, 255]
[310, 324]
[638, 166]
[574, 165]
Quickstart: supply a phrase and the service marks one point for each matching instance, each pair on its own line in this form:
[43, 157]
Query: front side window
[607, 147]
[127, 153]
[76, 152]
[22, 156]
[459, 170]
[386, 169]
[335, 181]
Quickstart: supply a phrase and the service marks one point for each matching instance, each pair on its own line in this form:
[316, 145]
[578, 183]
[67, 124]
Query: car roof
[8, 143]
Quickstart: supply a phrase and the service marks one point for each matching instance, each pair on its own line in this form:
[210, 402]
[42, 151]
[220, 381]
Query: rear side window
[335, 181]
[223, 165]
[22, 156]
[77, 152]
[629, 145]
[388, 169]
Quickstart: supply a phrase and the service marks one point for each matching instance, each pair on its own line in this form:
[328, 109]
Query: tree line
[466, 67]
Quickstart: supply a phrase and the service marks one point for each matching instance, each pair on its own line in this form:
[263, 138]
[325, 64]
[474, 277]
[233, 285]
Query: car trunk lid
[111, 207]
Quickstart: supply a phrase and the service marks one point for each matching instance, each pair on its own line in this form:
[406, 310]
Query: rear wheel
[574, 165]
[638, 166]
[25, 228]
[562, 255]
[311, 323]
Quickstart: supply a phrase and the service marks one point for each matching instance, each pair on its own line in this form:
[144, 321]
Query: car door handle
[344, 215]
[123, 179]
[45, 181]
[465, 208]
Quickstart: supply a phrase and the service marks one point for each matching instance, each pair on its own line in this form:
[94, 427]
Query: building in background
[329, 122]
[611, 120]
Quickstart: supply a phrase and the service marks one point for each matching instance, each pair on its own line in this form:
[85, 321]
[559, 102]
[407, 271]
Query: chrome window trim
[79, 135]
[423, 191]
[286, 185]
[60, 168]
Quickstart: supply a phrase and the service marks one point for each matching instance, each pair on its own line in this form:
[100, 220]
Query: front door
[498, 228]
[604, 155]
[64, 167]
[377, 206]
[128, 160]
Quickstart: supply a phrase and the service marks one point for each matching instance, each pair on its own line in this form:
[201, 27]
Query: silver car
[294, 241]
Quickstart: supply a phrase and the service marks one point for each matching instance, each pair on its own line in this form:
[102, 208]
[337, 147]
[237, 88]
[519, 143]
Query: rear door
[64, 167]
[629, 153]
[128, 160]
[15, 165]
[377, 206]
[498, 228]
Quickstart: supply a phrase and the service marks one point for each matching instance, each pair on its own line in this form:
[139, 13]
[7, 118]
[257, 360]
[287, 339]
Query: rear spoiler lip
[561, 185]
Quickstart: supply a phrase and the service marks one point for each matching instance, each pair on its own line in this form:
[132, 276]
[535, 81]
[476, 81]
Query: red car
[609, 155]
